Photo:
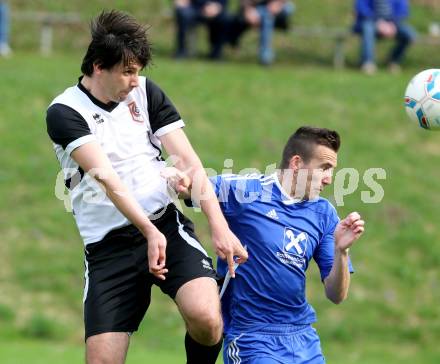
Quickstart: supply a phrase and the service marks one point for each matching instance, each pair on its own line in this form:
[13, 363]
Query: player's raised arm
[225, 243]
[346, 233]
[91, 158]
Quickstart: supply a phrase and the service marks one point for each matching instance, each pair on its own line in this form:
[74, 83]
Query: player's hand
[156, 252]
[178, 181]
[348, 231]
[227, 247]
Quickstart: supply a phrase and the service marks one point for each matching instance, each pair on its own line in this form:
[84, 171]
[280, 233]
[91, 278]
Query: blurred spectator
[266, 15]
[382, 19]
[5, 50]
[189, 13]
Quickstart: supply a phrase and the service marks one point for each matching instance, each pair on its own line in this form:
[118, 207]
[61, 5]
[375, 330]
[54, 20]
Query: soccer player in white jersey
[284, 223]
[107, 133]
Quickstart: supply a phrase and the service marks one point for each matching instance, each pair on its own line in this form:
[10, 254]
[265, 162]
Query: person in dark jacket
[189, 13]
[382, 19]
[266, 15]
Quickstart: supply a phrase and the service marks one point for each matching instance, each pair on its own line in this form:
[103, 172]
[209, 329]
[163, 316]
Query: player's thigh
[117, 289]
[110, 348]
[191, 278]
[198, 301]
[307, 347]
[186, 258]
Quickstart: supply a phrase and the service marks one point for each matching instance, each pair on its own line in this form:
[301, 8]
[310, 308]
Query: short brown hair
[304, 141]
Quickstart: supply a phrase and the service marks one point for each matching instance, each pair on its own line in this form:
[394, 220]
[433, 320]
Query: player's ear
[295, 163]
[97, 67]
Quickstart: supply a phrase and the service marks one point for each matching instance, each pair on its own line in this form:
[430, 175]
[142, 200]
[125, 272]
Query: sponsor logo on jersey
[294, 248]
[206, 264]
[135, 112]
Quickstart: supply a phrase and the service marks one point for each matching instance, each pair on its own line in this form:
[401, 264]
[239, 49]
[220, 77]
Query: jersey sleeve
[162, 113]
[325, 252]
[226, 192]
[67, 127]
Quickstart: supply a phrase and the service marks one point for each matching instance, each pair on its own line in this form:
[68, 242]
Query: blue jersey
[281, 236]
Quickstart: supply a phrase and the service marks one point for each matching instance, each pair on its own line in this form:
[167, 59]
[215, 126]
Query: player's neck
[288, 183]
[93, 87]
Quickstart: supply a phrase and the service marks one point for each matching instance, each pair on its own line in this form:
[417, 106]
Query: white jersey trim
[78, 142]
[169, 128]
[287, 200]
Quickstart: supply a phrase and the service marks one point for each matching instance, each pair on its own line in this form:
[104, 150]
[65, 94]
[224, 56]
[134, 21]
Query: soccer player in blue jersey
[284, 223]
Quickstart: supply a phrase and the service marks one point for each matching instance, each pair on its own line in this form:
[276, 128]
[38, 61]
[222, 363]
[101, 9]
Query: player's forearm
[202, 192]
[186, 160]
[200, 196]
[211, 209]
[91, 158]
[204, 196]
[337, 282]
[124, 201]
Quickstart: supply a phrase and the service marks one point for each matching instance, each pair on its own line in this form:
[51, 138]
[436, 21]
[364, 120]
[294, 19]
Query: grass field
[233, 110]
[242, 113]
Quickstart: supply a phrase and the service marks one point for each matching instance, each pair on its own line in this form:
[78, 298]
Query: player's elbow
[336, 297]
[336, 301]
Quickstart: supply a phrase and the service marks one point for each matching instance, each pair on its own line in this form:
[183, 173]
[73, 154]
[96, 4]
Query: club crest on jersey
[294, 247]
[98, 118]
[135, 112]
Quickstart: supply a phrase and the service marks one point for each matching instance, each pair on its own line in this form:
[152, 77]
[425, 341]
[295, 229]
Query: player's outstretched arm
[346, 233]
[225, 243]
[92, 159]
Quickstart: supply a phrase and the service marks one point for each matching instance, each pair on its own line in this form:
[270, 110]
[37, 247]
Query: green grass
[42, 352]
[246, 114]
[37, 352]
[240, 111]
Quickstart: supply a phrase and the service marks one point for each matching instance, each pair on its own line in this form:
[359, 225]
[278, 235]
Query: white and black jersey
[128, 133]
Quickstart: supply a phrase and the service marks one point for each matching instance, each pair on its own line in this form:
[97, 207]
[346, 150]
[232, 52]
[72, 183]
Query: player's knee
[208, 328]
[103, 358]
[215, 330]
[107, 348]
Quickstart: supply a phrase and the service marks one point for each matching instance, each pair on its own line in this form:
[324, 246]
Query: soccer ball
[422, 99]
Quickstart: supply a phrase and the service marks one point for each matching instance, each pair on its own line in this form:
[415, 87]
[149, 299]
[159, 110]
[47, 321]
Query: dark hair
[116, 37]
[304, 141]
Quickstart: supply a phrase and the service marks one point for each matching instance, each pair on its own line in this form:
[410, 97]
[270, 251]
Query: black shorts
[118, 284]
